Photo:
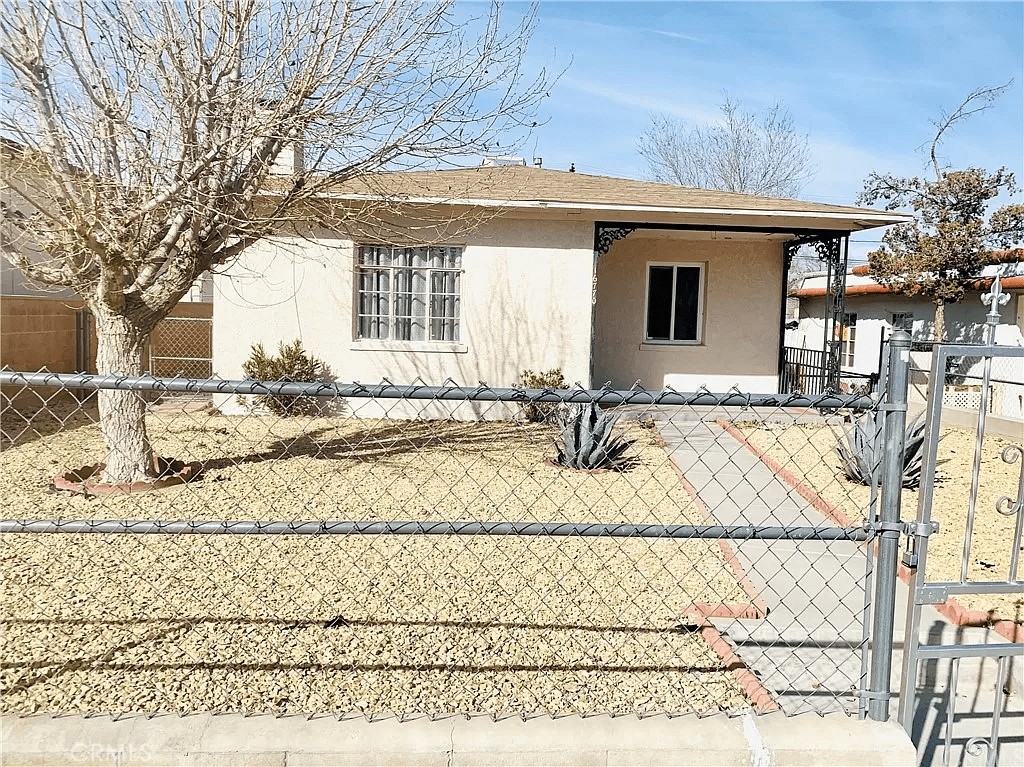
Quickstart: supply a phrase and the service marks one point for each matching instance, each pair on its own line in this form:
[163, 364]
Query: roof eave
[858, 219]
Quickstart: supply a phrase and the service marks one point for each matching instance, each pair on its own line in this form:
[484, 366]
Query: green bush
[542, 412]
[291, 363]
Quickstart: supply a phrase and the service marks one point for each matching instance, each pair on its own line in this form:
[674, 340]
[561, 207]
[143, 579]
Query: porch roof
[524, 187]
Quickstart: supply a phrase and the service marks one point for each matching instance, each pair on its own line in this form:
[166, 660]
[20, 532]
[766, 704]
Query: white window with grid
[848, 339]
[408, 294]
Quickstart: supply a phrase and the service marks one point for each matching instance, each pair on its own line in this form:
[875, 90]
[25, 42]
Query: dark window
[673, 303]
[903, 321]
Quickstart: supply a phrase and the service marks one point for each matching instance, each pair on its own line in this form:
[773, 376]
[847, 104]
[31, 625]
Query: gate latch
[913, 531]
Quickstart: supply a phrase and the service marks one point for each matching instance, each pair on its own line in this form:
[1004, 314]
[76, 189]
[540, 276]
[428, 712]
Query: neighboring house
[609, 279]
[38, 328]
[50, 328]
[872, 312]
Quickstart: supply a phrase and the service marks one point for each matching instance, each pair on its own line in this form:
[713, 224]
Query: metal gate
[958, 689]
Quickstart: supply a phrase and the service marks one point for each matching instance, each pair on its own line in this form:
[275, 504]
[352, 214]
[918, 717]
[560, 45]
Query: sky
[863, 80]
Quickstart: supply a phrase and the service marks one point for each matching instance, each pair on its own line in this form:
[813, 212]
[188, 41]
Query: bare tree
[742, 152]
[149, 133]
[941, 253]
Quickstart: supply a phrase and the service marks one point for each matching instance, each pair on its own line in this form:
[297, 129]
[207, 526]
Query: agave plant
[588, 441]
[862, 463]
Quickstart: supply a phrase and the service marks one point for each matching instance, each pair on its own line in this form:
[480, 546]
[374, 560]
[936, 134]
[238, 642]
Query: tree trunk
[939, 332]
[122, 413]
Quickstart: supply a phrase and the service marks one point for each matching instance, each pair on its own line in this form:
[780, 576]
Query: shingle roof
[522, 184]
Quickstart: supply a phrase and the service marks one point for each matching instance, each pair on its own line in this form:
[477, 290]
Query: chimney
[289, 161]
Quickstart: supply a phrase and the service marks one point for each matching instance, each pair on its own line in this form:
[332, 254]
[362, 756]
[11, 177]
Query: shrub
[862, 463]
[588, 440]
[291, 363]
[542, 412]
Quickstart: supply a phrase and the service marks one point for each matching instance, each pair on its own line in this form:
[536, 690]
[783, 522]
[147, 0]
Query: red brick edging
[952, 610]
[167, 472]
[757, 693]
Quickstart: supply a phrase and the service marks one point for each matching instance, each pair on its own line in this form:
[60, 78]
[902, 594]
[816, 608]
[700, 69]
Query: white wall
[12, 281]
[965, 323]
[526, 303]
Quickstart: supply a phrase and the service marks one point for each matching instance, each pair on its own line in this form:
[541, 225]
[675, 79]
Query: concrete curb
[204, 740]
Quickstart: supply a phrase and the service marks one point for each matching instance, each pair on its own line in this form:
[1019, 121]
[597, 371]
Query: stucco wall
[742, 305]
[526, 303]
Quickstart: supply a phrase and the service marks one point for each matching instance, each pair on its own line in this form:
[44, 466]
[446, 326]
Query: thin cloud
[639, 100]
[619, 29]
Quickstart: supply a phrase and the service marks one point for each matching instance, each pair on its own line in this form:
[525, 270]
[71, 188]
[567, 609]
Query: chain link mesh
[182, 346]
[678, 584]
[963, 383]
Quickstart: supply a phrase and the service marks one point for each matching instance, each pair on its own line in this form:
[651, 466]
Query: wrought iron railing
[805, 371]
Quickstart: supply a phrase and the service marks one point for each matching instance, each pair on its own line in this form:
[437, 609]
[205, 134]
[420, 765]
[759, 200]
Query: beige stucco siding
[740, 332]
[526, 303]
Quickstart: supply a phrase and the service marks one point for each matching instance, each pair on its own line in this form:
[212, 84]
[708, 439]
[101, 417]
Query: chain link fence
[415, 550]
[182, 346]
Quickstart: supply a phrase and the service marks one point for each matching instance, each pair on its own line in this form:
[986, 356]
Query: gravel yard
[808, 452]
[349, 468]
[498, 625]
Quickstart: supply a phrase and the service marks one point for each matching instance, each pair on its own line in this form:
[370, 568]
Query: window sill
[654, 346]
[374, 345]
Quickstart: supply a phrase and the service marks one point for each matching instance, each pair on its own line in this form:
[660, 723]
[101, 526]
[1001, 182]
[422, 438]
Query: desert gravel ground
[808, 451]
[341, 624]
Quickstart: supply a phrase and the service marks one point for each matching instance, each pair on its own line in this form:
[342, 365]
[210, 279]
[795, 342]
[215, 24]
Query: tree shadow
[28, 415]
[386, 439]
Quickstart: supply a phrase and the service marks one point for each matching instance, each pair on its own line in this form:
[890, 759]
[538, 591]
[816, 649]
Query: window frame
[702, 284]
[903, 325]
[848, 345]
[400, 344]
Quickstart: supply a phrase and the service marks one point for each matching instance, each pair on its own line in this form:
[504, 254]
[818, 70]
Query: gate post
[894, 408]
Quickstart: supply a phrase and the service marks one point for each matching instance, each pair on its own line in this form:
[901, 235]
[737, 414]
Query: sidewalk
[600, 741]
[807, 650]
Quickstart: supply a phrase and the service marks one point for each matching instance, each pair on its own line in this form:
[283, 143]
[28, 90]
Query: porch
[686, 306]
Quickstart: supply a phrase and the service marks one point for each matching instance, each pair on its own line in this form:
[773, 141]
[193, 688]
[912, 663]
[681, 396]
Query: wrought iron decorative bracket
[605, 236]
[1006, 505]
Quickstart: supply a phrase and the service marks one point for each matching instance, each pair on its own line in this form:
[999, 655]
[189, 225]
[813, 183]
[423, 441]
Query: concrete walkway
[807, 650]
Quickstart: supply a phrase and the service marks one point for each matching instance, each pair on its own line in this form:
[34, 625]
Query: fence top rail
[448, 391]
[446, 527]
[976, 350]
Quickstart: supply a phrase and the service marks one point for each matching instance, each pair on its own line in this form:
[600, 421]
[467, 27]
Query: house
[872, 313]
[477, 274]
